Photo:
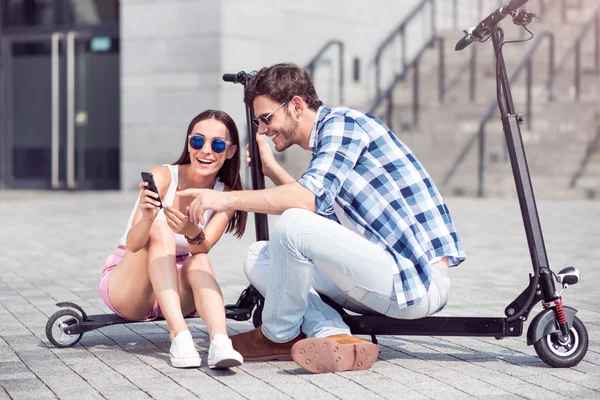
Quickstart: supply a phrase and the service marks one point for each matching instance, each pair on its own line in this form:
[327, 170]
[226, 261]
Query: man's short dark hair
[281, 82]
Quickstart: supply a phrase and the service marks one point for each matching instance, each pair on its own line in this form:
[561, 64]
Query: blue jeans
[308, 254]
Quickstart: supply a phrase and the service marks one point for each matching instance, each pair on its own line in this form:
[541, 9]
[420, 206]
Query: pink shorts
[111, 263]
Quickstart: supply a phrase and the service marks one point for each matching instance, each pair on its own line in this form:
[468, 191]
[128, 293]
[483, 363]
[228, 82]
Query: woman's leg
[148, 275]
[198, 288]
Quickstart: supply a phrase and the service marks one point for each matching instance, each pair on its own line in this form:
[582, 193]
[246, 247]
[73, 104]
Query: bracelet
[196, 240]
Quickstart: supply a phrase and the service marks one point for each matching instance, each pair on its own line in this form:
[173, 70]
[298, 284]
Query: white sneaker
[183, 352]
[221, 353]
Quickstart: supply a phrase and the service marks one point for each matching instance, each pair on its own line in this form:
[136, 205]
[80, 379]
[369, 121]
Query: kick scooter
[559, 337]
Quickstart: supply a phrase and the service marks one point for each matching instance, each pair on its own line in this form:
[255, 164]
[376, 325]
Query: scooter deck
[100, 320]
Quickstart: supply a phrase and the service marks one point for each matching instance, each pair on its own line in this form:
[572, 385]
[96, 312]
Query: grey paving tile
[131, 361]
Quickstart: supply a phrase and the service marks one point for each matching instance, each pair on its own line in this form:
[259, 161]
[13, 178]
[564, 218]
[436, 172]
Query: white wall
[174, 52]
[169, 73]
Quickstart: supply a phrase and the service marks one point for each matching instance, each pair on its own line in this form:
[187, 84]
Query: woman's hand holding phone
[149, 202]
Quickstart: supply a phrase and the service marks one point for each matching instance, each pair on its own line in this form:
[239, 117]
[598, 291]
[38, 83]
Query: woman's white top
[180, 241]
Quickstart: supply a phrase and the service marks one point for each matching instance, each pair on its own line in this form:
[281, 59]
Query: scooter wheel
[56, 325]
[257, 315]
[564, 355]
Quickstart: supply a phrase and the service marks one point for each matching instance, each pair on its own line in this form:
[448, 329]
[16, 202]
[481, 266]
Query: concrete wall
[170, 64]
[173, 53]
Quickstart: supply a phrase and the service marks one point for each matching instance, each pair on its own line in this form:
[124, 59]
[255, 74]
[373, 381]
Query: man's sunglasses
[266, 119]
[217, 145]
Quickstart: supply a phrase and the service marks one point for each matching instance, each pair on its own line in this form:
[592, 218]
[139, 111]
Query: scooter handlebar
[480, 31]
[514, 5]
[230, 78]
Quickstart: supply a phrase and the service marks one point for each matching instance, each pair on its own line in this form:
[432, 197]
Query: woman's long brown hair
[229, 173]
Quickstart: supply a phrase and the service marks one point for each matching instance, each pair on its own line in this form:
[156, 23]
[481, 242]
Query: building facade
[95, 91]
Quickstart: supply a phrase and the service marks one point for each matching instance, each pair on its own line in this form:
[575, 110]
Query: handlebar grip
[513, 5]
[466, 40]
[462, 43]
[230, 78]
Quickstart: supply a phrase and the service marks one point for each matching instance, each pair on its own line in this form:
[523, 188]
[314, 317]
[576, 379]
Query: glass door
[61, 93]
[92, 111]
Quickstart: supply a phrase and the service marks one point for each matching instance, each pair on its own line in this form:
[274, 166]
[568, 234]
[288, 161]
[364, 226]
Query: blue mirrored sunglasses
[217, 145]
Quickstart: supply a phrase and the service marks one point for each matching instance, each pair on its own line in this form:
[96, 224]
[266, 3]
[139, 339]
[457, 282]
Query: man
[364, 225]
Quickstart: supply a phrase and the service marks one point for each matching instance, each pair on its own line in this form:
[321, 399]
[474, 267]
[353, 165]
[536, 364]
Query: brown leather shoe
[334, 353]
[254, 346]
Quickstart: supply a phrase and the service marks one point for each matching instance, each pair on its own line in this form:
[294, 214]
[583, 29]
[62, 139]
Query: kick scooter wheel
[55, 328]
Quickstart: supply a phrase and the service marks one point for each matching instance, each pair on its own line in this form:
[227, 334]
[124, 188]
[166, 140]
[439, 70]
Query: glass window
[28, 12]
[59, 12]
[89, 12]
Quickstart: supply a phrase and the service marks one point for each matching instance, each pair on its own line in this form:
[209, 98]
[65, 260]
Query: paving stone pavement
[53, 246]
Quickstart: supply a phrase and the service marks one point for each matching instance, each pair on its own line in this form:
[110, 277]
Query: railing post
[441, 71]
[403, 43]
[390, 111]
[341, 77]
[577, 69]
[455, 13]
[473, 74]
[597, 46]
[528, 79]
[378, 74]
[416, 94]
[433, 19]
[481, 162]
[550, 67]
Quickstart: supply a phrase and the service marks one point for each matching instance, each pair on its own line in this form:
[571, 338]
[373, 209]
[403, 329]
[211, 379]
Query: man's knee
[257, 253]
[292, 222]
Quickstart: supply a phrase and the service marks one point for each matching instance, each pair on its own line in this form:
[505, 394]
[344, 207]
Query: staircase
[559, 135]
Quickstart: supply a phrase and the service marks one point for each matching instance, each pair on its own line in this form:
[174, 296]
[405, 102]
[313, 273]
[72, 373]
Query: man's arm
[272, 200]
[279, 175]
[266, 201]
[270, 167]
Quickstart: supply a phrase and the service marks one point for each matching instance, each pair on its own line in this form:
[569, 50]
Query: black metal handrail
[576, 48]
[471, 63]
[387, 95]
[565, 6]
[592, 148]
[313, 63]
[525, 64]
[413, 64]
[400, 31]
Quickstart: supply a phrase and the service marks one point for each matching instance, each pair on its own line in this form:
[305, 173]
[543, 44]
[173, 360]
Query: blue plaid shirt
[384, 191]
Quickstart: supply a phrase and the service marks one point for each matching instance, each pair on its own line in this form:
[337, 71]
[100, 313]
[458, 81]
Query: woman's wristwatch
[196, 240]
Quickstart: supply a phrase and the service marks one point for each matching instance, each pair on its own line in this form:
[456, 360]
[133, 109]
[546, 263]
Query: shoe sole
[319, 355]
[186, 362]
[225, 363]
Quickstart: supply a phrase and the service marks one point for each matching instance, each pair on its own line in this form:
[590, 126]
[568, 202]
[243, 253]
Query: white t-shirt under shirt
[181, 243]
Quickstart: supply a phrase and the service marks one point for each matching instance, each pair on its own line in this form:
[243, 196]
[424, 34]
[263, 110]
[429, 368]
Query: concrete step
[457, 63]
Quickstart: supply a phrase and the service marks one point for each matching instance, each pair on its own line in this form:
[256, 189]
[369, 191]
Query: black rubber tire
[549, 350]
[257, 315]
[50, 332]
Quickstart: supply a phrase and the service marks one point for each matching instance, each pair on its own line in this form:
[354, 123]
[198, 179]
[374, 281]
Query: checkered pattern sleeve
[340, 144]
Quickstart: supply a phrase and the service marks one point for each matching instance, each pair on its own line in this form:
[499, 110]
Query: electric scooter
[559, 337]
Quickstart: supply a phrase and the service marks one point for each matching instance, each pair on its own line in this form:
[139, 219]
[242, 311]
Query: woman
[161, 267]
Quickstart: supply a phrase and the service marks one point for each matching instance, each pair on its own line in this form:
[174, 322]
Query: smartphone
[148, 178]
